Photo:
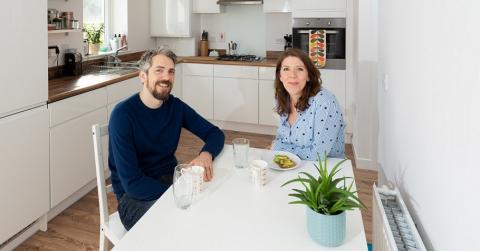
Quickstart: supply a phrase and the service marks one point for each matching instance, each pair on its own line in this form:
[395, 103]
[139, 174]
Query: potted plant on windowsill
[94, 34]
[327, 198]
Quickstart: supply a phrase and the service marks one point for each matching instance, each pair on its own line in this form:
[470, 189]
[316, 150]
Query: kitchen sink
[113, 68]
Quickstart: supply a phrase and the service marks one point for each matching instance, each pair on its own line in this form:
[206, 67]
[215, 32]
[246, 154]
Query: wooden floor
[77, 228]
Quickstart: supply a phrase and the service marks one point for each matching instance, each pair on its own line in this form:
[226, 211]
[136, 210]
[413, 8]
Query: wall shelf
[66, 31]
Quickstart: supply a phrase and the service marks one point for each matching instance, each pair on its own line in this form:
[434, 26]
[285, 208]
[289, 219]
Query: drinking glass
[240, 152]
[183, 186]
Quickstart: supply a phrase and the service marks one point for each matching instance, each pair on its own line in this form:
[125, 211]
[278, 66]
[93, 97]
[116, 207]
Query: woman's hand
[204, 159]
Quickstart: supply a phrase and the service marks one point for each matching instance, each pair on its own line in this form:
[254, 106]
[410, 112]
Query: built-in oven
[335, 38]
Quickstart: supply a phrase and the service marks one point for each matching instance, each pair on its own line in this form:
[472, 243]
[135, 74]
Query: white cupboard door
[198, 94]
[319, 5]
[206, 6]
[24, 178]
[334, 81]
[266, 73]
[72, 163]
[198, 69]
[23, 77]
[177, 89]
[236, 100]
[319, 9]
[170, 18]
[232, 71]
[124, 89]
[277, 6]
[266, 103]
[120, 91]
[70, 108]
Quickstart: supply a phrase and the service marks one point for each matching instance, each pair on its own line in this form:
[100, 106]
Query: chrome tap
[114, 59]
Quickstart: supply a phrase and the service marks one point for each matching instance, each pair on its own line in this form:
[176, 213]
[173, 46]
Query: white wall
[277, 26]
[365, 93]
[429, 129]
[139, 26]
[244, 24]
[254, 31]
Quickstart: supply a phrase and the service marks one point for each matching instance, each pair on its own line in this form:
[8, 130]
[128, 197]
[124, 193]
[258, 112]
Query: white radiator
[393, 228]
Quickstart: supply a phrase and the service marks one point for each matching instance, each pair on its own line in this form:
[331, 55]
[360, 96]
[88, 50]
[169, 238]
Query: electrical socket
[279, 41]
[221, 37]
[53, 50]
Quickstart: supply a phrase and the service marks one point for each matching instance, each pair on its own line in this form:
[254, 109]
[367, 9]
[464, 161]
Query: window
[112, 14]
[94, 16]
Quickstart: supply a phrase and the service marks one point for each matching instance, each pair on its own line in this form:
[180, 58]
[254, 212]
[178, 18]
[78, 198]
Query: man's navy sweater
[143, 141]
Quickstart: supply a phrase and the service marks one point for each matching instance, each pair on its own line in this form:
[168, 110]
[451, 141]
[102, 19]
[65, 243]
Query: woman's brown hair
[312, 87]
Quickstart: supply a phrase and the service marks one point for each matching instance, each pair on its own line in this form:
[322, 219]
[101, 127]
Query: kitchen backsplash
[255, 31]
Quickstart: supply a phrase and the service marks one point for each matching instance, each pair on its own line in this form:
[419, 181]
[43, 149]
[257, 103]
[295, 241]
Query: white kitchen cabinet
[267, 103]
[123, 89]
[319, 8]
[236, 100]
[24, 177]
[120, 91]
[334, 81]
[271, 6]
[232, 71]
[72, 163]
[206, 6]
[170, 18]
[177, 89]
[197, 88]
[198, 70]
[235, 95]
[198, 94]
[266, 97]
[73, 107]
[23, 77]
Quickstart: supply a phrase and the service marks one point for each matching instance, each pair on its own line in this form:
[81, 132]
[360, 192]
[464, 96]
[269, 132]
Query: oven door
[335, 45]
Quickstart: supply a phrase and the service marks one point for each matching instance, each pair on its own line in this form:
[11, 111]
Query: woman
[311, 121]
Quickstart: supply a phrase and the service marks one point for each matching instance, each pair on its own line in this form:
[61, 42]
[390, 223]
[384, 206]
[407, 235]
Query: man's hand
[204, 159]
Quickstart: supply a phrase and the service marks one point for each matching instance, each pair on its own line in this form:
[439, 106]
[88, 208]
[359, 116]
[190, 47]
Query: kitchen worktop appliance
[72, 63]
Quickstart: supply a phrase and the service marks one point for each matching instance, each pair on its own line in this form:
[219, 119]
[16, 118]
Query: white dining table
[232, 213]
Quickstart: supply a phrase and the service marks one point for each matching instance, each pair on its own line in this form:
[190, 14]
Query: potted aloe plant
[94, 33]
[327, 198]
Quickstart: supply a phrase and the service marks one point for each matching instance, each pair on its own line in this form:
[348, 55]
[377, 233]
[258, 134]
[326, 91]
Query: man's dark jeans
[131, 209]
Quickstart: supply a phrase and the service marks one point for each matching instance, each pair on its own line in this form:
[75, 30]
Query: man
[144, 131]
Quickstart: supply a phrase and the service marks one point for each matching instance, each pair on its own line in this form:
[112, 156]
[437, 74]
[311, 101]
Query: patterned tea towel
[317, 47]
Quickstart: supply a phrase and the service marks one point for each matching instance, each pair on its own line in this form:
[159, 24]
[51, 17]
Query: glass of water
[183, 186]
[240, 152]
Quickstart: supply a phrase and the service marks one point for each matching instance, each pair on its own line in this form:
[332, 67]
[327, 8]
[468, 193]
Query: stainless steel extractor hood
[232, 2]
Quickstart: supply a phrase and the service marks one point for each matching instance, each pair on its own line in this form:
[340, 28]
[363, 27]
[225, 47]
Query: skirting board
[71, 199]
[364, 163]
[40, 224]
[22, 236]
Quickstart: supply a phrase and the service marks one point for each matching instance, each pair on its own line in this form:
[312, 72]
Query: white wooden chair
[110, 225]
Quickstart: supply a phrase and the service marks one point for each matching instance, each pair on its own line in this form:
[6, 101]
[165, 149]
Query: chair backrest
[100, 131]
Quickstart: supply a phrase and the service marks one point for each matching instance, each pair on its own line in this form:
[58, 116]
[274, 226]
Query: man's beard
[161, 95]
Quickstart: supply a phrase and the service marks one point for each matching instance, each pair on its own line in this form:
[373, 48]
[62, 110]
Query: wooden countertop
[69, 86]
